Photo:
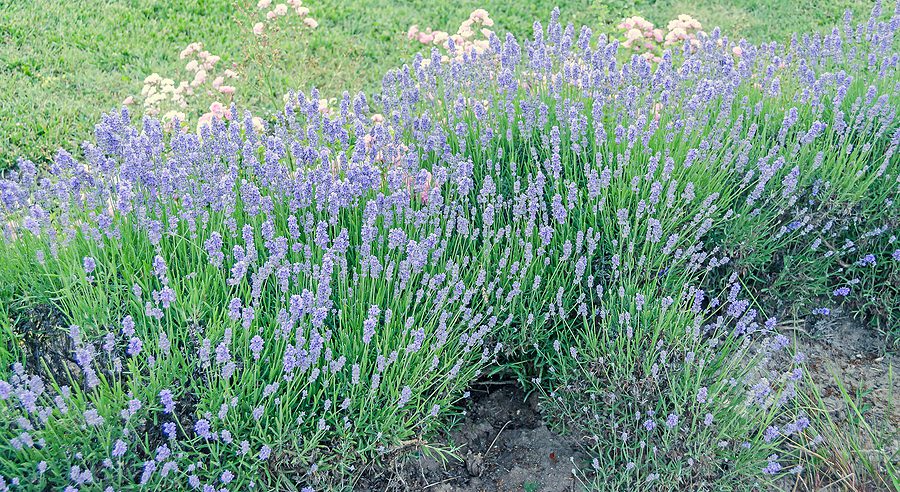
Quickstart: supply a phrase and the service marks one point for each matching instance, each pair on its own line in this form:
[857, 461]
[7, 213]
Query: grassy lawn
[64, 63]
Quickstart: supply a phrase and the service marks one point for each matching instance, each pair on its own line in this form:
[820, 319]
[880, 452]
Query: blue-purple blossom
[672, 421]
[773, 466]
[119, 448]
[89, 265]
[264, 452]
[134, 346]
[405, 396]
[167, 400]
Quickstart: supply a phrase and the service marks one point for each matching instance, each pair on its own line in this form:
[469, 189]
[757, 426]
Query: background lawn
[64, 63]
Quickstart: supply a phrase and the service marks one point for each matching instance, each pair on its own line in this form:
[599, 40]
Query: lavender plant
[280, 307]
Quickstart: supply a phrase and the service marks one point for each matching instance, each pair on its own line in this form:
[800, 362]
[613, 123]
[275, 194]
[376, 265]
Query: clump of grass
[854, 454]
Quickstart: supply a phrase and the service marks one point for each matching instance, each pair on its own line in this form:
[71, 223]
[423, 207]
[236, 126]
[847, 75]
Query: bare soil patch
[503, 444]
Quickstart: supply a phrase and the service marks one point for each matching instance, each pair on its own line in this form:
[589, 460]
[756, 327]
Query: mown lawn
[64, 63]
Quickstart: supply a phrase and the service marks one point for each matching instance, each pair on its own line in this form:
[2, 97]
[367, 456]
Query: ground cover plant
[282, 305]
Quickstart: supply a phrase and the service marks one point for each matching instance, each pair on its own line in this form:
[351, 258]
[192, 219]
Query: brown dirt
[843, 349]
[859, 357]
[502, 444]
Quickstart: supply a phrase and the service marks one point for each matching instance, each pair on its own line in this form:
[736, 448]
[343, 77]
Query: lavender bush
[282, 308]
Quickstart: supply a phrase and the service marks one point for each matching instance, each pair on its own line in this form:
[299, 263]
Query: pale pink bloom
[310, 23]
[280, 9]
[481, 16]
[486, 33]
[271, 15]
[643, 24]
[658, 35]
[302, 11]
[323, 105]
[190, 49]
[426, 186]
[213, 59]
[199, 78]
[426, 38]
[152, 78]
[465, 29]
[657, 110]
[227, 89]
[128, 101]
[689, 22]
[738, 51]
[263, 4]
[231, 74]
[258, 28]
[440, 37]
[217, 109]
[377, 118]
[675, 35]
[258, 124]
[294, 3]
[192, 66]
[477, 14]
[412, 32]
[633, 34]
[218, 81]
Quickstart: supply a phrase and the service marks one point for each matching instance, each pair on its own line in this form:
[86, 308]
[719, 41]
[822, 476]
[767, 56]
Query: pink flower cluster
[281, 10]
[649, 41]
[202, 65]
[683, 28]
[163, 96]
[464, 41]
[205, 86]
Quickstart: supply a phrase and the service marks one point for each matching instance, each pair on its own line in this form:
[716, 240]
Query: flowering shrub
[207, 90]
[642, 37]
[256, 308]
[269, 17]
[162, 97]
[473, 35]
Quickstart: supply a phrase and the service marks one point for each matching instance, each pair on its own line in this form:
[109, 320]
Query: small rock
[474, 463]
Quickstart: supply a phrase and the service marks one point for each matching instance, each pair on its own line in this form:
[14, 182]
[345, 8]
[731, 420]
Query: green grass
[64, 63]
